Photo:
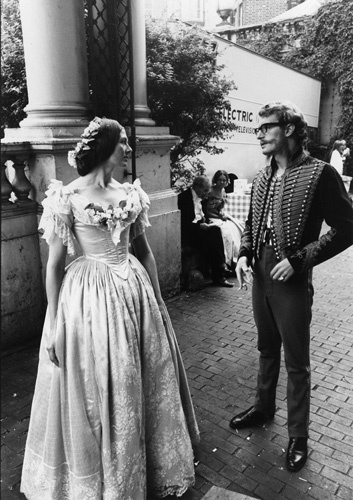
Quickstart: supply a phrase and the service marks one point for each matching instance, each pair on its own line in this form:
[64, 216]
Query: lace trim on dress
[57, 216]
[139, 226]
[59, 213]
[176, 490]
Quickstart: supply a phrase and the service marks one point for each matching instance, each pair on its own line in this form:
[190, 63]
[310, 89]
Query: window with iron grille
[108, 34]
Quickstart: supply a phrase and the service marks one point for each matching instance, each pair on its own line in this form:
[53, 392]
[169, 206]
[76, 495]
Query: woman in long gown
[112, 417]
[231, 228]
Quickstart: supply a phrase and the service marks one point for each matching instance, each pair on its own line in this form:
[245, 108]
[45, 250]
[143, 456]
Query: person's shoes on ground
[228, 272]
[297, 453]
[249, 418]
[223, 282]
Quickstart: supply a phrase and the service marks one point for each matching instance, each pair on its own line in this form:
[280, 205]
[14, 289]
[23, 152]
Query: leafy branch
[186, 91]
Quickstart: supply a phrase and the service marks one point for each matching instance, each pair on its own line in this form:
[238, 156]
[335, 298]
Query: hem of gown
[176, 490]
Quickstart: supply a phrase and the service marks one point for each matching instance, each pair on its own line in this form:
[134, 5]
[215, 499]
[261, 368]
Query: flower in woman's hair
[71, 158]
[82, 147]
[92, 129]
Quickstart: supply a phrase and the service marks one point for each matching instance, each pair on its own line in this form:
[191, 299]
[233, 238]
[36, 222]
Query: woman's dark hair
[218, 174]
[287, 113]
[101, 146]
[336, 145]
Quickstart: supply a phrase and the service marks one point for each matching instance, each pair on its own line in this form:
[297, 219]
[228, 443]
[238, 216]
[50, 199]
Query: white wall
[258, 80]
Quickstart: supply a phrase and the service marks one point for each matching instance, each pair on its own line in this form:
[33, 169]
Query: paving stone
[217, 338]
[216, 493]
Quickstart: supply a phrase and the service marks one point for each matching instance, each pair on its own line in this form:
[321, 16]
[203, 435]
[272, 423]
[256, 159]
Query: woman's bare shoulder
[76, 184]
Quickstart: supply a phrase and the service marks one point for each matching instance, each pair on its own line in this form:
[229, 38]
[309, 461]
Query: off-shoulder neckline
[73, 191]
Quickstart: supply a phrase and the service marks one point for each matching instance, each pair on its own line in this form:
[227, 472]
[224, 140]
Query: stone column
[56, 63]
[153, 146]
[142, 111]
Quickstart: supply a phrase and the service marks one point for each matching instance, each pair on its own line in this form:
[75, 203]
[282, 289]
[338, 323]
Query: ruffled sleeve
[57, 216]
[140, 224]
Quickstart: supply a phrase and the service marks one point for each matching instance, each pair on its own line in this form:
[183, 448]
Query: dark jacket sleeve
[187, 215]
[332, 205]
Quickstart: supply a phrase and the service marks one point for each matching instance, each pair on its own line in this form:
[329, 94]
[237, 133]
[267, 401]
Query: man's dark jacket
[189, 229]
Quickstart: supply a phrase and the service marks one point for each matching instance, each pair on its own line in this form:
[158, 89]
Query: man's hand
[282, 271]
[204, 226]
[244, 273]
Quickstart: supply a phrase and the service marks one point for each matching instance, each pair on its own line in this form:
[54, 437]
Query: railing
[15, 186]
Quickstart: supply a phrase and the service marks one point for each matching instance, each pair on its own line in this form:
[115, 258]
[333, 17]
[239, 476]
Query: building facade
[205, 12]
[187, 11]
[259, 11]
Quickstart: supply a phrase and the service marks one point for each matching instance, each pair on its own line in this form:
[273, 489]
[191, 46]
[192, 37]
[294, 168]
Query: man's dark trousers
[282, 312]
[210, 243]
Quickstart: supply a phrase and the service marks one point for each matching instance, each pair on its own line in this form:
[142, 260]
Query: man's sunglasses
[265, 126]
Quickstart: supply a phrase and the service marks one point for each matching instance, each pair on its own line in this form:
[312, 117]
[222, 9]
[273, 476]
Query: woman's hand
[52, 355]
[282, 271]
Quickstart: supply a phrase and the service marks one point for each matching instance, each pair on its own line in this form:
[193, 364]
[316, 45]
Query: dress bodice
[215, 205]
[96, 243]
[102, 233]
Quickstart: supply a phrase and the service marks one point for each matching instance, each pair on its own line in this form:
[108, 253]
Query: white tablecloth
[237, 205]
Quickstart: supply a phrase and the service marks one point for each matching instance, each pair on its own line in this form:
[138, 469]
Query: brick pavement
[217, 337]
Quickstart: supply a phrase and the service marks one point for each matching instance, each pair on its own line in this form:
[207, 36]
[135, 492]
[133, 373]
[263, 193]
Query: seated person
[197, 232]
[231, 229]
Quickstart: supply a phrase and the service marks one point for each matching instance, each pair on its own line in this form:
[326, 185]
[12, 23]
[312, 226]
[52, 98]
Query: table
[237, 205]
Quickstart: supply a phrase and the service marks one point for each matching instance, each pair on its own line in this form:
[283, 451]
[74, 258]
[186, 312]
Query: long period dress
[115, 420]
[231, 229]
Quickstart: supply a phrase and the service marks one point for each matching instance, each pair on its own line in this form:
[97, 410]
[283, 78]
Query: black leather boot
[297, 453]
[249, 418]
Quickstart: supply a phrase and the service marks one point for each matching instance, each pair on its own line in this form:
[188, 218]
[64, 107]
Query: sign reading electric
[243, 119]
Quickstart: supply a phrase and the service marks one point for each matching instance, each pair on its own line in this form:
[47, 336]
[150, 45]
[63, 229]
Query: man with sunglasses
[281, 243]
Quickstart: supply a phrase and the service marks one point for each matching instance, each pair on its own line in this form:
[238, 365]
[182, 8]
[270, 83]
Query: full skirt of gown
[115, 419]
[231, 230]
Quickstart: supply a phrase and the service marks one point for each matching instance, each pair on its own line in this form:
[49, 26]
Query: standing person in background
[197, 232]
[111, 398]
[291, 197]
[336, 157]
[346, 157]
[231, 229]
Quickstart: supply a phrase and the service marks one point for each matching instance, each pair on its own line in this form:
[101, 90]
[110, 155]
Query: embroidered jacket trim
[291, 196]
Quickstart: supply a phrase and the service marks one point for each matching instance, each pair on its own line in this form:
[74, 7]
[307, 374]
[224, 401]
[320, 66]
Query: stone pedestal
[22, 318]
[153, 146]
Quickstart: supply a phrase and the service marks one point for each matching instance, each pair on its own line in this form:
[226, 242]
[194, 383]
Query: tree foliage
[272, 41]
[13, 75]
[325, 51]
[186, 91]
